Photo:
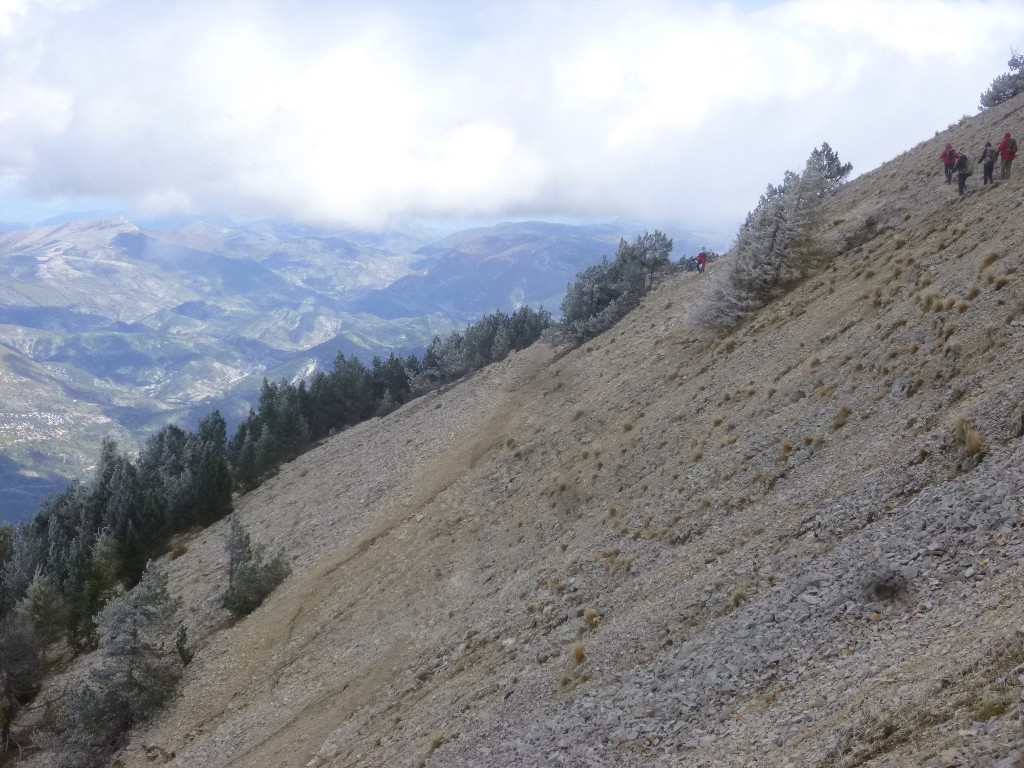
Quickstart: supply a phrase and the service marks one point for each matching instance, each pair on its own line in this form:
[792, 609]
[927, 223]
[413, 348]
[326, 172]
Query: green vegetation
[250, 578]
[21, 674]
[90, 543]
[95, 538]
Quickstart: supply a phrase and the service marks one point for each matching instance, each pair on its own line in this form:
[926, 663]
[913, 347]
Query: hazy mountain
[477, 271]
[110, 328]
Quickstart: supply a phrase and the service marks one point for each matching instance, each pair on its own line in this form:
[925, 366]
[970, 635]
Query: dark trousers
[961, 182]
[949, 173]
[988, 168]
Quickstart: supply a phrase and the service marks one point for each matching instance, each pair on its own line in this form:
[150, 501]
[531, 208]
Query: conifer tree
[250, 578]
[604, 293]
[1007, 85]
[136, 672]
[775, 246]
[21, 673]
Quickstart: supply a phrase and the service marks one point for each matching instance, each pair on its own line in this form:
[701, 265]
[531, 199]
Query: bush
[250, 579]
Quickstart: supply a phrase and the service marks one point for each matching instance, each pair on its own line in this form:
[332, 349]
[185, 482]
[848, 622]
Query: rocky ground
[798, 543]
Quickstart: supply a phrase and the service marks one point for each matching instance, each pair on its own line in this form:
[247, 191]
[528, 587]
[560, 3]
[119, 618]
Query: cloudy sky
[367, 112]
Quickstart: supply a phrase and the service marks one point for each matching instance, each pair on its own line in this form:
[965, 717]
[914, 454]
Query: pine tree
[775, 247]
[135, 674]
[44, 610]
[1005, 86]
[604, 293]
[21, 673]
[250, 578]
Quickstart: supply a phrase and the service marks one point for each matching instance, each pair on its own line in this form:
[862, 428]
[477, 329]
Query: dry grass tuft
[842, 417]
[578, 654]
[970, 438]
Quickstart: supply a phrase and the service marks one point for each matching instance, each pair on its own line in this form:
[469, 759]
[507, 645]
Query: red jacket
[948, 156]
[1004, 148]
[702, 258]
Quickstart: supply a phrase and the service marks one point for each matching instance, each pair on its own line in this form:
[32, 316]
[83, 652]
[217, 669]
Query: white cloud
[361, 112]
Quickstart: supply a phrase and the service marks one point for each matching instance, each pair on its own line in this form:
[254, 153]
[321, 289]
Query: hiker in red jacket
[962, 168]
[702, 261]
[948, 158]
[1007, 151]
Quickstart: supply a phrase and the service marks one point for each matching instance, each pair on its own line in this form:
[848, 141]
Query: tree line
[289, 417]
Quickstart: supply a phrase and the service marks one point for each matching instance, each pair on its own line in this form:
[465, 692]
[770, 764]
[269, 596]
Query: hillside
[795, 544]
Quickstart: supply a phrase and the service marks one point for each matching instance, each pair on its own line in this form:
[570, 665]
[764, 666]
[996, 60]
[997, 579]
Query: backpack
[1012, 147]
[991, 155]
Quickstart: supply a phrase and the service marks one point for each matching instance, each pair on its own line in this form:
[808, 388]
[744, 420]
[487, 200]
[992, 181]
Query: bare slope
[773, 547]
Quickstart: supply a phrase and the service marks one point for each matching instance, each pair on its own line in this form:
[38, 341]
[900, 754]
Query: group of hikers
[958, 163]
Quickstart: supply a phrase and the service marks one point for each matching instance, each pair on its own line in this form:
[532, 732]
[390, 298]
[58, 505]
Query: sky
[366, 114]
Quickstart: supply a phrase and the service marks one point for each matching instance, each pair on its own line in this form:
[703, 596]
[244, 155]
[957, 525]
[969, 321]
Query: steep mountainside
[795, 544]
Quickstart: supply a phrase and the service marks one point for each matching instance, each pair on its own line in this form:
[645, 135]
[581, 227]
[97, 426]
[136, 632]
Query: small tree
[650, 252]
[44, 609]
[21, 673]
[1007, 85]
[250, 579]
[6, 543]
[134, 675]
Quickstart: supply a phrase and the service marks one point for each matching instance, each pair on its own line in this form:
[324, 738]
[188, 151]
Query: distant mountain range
[108, 328]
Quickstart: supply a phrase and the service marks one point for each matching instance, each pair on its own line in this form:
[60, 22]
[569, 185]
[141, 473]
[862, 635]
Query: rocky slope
[795, 544]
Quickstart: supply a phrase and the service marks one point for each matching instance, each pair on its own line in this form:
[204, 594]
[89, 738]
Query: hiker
[963, 169]
[948, 158]
[702, 261]
[988, 161]
[1007, 151]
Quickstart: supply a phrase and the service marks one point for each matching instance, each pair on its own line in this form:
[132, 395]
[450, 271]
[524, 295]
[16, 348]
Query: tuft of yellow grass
[842, 417]
[989, 259]
[579, 654]
[970, 438]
